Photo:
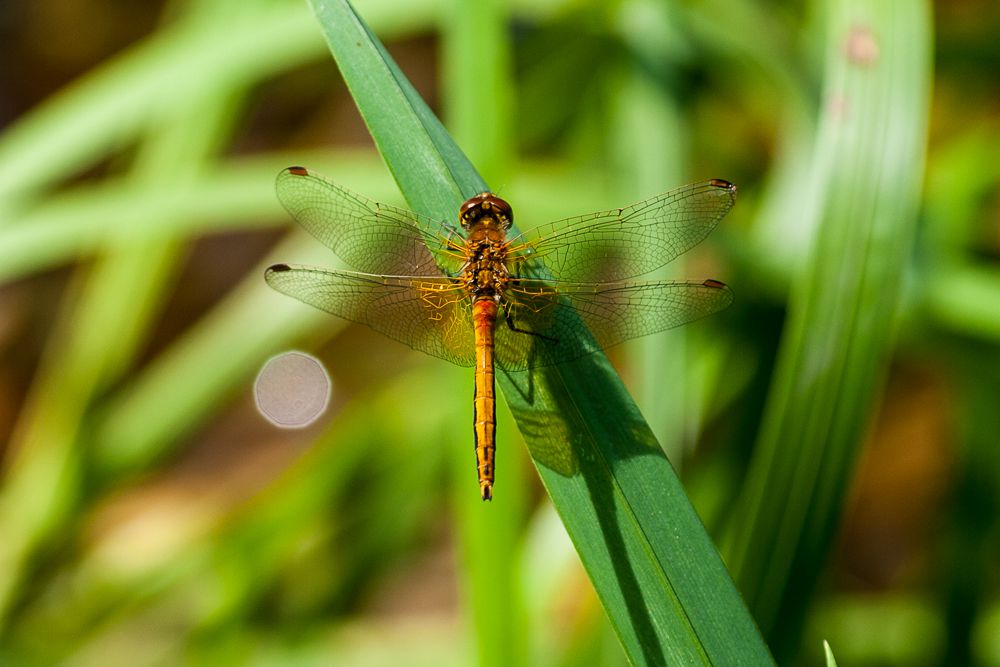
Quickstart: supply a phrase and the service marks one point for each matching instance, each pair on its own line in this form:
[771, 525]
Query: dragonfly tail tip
[487, 492]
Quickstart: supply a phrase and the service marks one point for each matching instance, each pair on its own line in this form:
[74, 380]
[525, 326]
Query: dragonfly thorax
[485, 270]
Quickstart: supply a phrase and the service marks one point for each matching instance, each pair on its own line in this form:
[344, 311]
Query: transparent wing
[430, 314]
[369, 236]
[611, 246]
[557, 315]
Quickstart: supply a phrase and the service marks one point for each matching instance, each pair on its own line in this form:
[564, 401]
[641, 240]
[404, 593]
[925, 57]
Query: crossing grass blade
[828, 652]
[656, 571]
[474, 50]
[866, 180]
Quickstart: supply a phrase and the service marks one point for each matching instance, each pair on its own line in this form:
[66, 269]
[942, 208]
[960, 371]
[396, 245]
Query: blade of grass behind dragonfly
[649, 142]
[476, 49]
[867, 175]
[657, 573]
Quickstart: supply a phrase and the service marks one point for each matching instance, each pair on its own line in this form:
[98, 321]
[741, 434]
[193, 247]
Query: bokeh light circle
[292, 389]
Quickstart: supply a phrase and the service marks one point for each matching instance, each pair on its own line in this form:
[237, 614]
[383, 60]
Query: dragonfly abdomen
[484, 316]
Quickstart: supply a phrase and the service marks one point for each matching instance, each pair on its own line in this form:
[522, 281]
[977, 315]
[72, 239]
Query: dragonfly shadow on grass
[549, 437]
[555, 435]
[633, 595]
[593, 447]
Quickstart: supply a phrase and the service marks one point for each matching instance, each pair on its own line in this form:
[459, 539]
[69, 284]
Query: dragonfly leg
[509, 318]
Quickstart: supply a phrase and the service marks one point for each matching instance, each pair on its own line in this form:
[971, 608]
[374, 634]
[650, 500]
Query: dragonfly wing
[369, 236]
[430, 314]
[558, 315]
[614, 245]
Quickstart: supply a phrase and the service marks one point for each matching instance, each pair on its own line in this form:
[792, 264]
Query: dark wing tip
[722, 296]
[277, 268]
[298, 171]
[725, 185]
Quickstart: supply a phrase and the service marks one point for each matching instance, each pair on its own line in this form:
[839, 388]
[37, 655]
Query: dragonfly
[477, 295]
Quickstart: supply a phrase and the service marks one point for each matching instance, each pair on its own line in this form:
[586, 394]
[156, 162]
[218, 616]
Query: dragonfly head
[486, 209]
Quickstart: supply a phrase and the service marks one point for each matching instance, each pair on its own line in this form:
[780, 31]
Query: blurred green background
[150, 516]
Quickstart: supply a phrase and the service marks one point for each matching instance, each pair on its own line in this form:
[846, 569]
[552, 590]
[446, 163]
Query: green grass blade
[649, 137]
[867, 177]
[828, 653]
[656, 571]
[433, 174]
[475, 50]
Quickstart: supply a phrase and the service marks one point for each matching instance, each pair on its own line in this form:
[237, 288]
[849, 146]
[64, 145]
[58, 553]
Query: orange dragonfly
[562, 290]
